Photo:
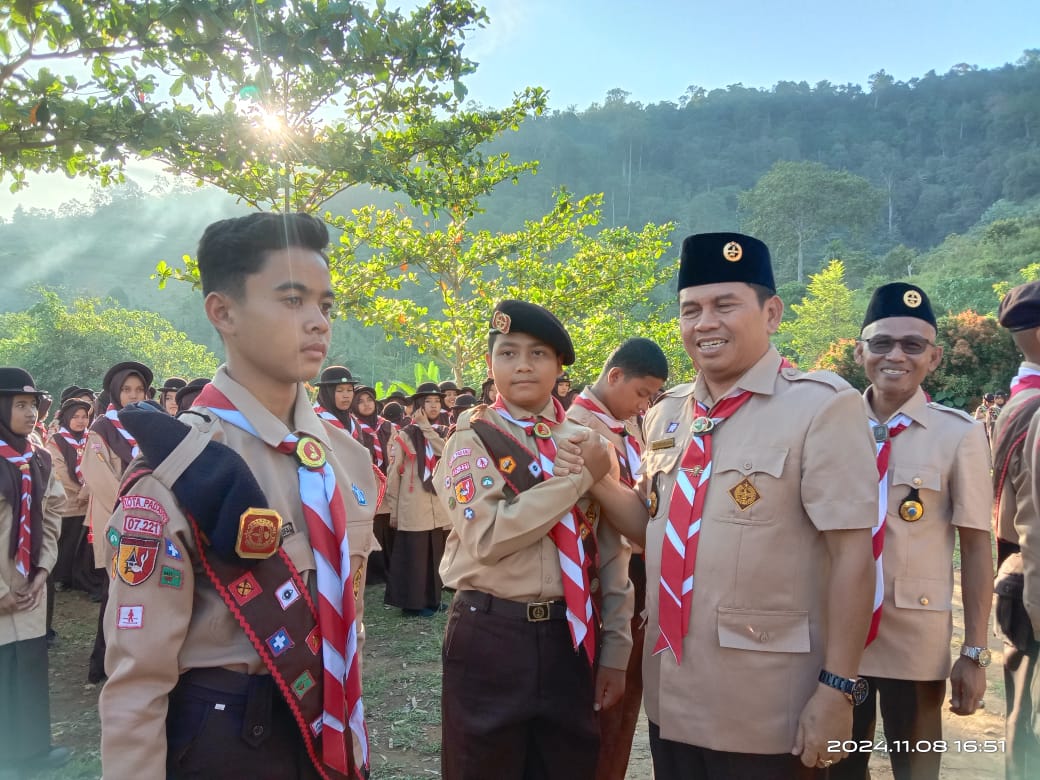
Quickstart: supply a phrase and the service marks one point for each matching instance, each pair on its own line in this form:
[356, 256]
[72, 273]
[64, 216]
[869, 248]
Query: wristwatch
[855, 690]
[979, 655]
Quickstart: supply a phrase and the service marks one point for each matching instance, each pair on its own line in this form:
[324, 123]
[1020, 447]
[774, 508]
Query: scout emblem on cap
[259, 532]
[310, 453]
[500, 321]
[542, 430]
[733, 251]
[911, 509]
[703, 425]
[912, 298]
[744, 494]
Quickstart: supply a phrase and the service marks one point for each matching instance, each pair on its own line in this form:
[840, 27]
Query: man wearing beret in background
[929, 458]
[758, 555]
[1015, 435]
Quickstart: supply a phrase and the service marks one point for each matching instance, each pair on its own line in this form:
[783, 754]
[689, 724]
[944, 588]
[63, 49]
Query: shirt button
[258, 731]
[747, 464]
[917, 482]
[548, 580]
[763, 637]
[924, 601]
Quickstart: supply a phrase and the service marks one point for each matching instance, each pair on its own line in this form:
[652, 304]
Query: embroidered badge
[172, 551]
[500, 321]
[673, 426]
[507, 464]
[733, 251]
[452, 502]
[280, 642]
[133, 503]
[662, 444]
[314, 641]
[459, 454]
[288, 529]
[703, 425]
[135, 559]
[130, 616]
[535, 468]
[310, 453]
[302, 684]
[113, 537]
[460, 468]
[465, 490]
[468, 513]
[287, 594]
[359, 495]
[245, 589]
[317, 726]
[170, 577]
[447, 481]
[487, 482]
[744, 494]
[482, 462]
[259, 532]
[542, 430]
[142, 526]
[357, 580]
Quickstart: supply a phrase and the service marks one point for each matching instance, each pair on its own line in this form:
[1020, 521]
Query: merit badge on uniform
[468, 513]
[310, 452]
[507, 464]
[911, 509]
[465, 490]
[245, 589]
[359, 495]
[280, 642]
[744, 494]
[487, 482]
[287, 594]
[113, 537]
[482, 462]
[130, 616]
[673, 426]
[135, 560]
[172, 551]
[258, 533]
[170, 577]
[702, 425]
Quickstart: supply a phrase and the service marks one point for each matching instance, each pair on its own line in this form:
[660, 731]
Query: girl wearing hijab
[335, 397]
[29, 527]
[375, 433]
[109, 450]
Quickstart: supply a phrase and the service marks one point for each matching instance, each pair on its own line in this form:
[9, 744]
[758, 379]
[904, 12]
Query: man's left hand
[967, 686]
[610, 687]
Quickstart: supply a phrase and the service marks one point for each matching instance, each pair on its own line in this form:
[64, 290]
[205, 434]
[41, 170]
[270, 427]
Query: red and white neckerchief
[325, 414]
[683, 526]
[112, 414]
[326, 516]
[377, 447]
[893, 428]
[629, 459]
[22, 559]
[565, 534]
[1026, 379]
[77, 444]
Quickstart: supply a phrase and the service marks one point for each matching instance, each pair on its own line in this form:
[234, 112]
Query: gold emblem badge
[662, 444]
[259, 532]
[703, 425]
[912, 298]
[506, 465]
[911, 511]
[357, 580]
[542, 430]
[310, 452]
[651, 503]
[501, 321]
[733, 251]
[744, 494]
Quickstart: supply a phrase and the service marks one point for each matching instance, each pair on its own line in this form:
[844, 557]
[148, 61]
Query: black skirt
[25, 715]
[414, 581]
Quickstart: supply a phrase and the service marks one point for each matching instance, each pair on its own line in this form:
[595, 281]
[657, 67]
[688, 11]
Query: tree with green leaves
[825, 314]
[796, 203]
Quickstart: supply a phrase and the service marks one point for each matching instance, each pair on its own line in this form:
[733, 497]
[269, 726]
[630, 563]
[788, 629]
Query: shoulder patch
[963, 415]
[828, 378]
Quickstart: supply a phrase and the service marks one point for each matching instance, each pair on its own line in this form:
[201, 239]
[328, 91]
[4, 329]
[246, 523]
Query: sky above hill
[655, 49]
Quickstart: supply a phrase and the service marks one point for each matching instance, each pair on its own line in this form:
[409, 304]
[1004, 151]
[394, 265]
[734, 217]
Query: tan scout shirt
[77, 497]
[406, 500]
[504, 548]
[17, 626]
[102, 472]
[945, 455]
[1016, 498]
[181, 622]
[1027, 527]
[755, 644]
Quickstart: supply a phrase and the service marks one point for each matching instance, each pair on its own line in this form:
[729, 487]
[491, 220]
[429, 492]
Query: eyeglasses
[911, 345]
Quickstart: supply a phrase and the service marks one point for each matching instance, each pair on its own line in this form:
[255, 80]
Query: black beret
[132, 366]
[18, 381]
[336, 375]
[899, 299]
[523, 317]
[425, 389]
[1020, 308]
[714, 258]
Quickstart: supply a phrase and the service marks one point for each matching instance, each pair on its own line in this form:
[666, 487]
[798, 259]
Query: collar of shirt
[626, 424]
[270, 429]
[547, 412]
[916, 407]
[759, 379]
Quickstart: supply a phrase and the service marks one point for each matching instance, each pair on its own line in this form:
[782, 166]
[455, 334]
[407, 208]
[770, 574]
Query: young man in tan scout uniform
[239, 542]
[526, 661]
[1015, 482]
[759, 566]
[613, 407]
[929, 458]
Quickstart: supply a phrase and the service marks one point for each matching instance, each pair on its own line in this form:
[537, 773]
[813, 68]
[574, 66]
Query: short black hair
[232, 249]
[639, 357]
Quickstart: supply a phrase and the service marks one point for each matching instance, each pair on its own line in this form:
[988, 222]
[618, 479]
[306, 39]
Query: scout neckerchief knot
[883, 435]
[566, 535]
[325, 513]
[22, 558]
[629, 459]
[112, 414]
[78, 445]
[377, 447]
[1025, 379]
[328, 416]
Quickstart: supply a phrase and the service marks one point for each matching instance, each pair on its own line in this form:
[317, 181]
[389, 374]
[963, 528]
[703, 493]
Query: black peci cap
[899, 299]
[1020, 308]
[714, 258]
[523, 317]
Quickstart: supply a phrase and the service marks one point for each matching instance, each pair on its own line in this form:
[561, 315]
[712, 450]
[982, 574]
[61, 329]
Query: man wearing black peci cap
[1015, 435]
[929, 458]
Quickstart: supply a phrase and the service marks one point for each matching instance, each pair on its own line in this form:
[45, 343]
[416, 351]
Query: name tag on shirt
[662, 444]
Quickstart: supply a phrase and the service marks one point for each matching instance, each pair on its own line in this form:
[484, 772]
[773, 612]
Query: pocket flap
[931, 595]
[916, 476]
[662, 461]
[765, 631]
[763, 460]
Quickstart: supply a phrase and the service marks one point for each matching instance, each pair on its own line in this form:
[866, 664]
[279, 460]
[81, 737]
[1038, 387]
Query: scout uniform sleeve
[971, 489]
[149, 610]
[488, 525]
[53, 501]
[839, 469]
[1028, 527]
[396, 463]
[618, 596]
[59, 469]
[97, 472]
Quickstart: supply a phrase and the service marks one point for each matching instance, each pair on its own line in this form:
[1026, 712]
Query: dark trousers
[1022, 760]
[911, 712]
[225, 724]
[379, 560]
[68, 545]
[679, 761]
[516, 699]
[25, 716]
[617, 725]
[96, 666]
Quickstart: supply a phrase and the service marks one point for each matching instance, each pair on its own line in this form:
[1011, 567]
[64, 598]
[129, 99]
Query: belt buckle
[538, 611]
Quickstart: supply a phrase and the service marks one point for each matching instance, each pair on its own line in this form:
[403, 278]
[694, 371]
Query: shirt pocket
[767, 631]
[661, 467]
[925, 594]
[751, 481]
[913, 476]
[298, 548]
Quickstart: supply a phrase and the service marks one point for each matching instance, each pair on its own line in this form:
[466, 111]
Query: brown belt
[531, 611]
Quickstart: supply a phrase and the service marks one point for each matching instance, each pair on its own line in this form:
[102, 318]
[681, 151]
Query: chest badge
[259, 533]
[703, 425]
[651, 503]
[911, 509]
[542, 430]
[744, 494]
[310, 453]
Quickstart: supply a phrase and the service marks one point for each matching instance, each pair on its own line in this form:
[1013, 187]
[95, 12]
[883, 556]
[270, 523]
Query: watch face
[860, 689]
[984, 658]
